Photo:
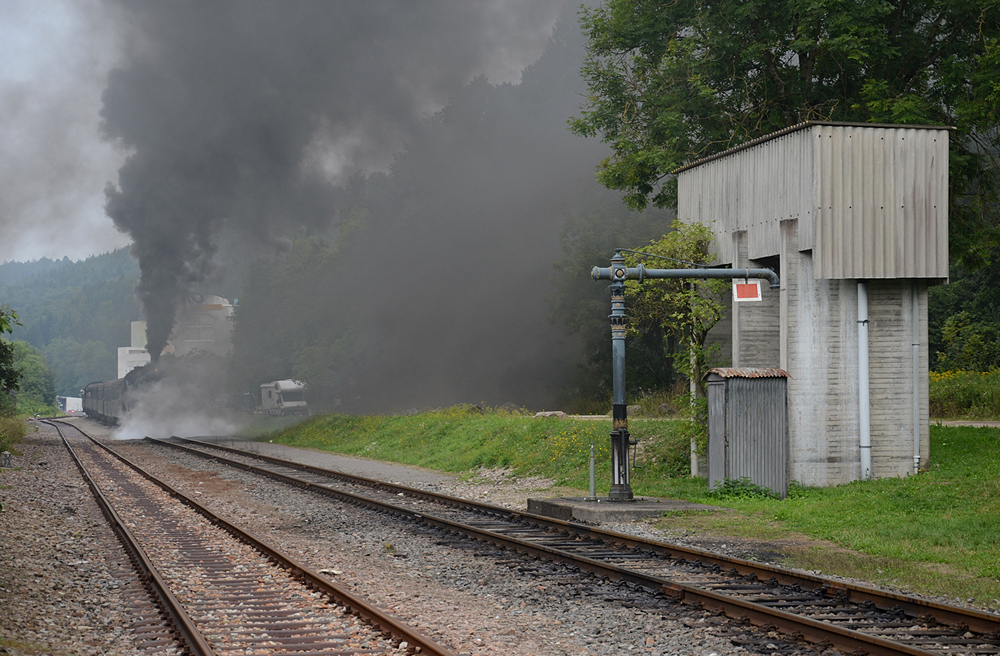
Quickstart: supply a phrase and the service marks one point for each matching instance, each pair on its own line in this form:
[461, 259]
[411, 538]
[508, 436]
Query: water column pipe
[618, 273]
[621, 488]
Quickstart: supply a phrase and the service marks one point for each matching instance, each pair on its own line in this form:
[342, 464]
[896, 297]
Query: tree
[969, 345]
[38, 382]
[76, 364]
[962, 319]
[77, 314]
[9, 374]
[677, 308]
[671, 82]
[580, 306]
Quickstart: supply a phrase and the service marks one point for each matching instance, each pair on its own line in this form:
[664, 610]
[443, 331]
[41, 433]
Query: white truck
[71, 405]
[283, 397]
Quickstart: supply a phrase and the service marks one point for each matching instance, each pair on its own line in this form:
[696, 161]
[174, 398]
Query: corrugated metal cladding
[748, 431]
[871, 201]
[751, 190]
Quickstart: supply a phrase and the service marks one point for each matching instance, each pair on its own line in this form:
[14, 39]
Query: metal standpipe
[618, 273]
[621, 489]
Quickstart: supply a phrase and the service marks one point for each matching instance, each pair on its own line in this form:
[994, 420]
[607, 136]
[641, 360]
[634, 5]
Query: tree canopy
[76, 313]
[670, 82]
[37, 393]
[9, 374]
[962, 320]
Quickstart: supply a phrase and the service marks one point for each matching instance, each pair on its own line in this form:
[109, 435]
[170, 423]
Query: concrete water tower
[854, 219]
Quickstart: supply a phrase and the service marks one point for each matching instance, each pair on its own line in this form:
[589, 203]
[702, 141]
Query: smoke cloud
[245, 116]
[437, 289]
[189, 401]
[52, 165]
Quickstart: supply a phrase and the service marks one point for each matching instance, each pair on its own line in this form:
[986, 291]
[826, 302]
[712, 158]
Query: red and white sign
[746, 290]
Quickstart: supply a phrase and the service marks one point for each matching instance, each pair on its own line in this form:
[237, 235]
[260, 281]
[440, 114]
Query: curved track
[225, 590]
[821, 610]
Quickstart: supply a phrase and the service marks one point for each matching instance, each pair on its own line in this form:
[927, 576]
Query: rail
[844, 594]
[384, 622]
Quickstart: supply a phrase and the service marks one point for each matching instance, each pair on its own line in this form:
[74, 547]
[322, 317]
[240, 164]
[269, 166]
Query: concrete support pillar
[893, 316]
[817, 338]
[756, 325]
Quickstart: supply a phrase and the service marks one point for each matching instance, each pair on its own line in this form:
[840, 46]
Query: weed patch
[741, 488]
[12, 431]
[965, 394]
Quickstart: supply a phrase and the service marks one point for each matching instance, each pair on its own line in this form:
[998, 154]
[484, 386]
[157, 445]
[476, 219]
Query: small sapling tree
[683, 311]
[678, 308]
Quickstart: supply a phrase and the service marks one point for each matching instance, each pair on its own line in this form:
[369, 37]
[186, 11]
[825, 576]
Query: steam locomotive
[109, 401]
[193, 383]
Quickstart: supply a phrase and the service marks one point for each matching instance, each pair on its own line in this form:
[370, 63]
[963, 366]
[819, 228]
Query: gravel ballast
[66, 585]
[468, 596]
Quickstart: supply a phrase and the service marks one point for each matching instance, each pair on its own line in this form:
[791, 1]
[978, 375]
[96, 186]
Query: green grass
[21, 647]
[460, 439]
[259, 425]
[937, 532]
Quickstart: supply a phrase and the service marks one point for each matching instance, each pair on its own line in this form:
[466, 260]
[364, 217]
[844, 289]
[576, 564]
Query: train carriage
[104, 400]
[109, 401]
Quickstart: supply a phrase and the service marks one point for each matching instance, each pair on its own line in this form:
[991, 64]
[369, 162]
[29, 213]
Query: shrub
[741, 488]
[12, 431]
[965, 394]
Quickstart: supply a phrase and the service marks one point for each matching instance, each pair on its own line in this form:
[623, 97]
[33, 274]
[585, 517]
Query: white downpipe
[864, 400]
[915, 302]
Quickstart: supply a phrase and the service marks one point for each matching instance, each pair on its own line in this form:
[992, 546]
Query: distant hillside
[76, 313]
[12, 272]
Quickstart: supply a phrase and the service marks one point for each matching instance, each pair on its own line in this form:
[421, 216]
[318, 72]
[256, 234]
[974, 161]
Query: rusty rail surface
[192, 638]
[559, 539]
[354, 605]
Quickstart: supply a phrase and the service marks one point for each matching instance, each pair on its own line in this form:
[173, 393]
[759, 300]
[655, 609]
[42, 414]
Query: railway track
[820, 610]
[225, 591]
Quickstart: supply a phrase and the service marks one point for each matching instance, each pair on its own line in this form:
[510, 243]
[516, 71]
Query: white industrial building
[854, 219]
[205, 324]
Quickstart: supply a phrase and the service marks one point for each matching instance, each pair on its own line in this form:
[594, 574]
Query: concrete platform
[603, 511]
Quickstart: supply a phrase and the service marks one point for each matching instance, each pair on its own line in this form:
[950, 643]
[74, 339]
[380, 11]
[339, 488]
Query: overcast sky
[54, 165]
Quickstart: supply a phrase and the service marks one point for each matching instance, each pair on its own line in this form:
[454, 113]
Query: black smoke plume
[243, 115]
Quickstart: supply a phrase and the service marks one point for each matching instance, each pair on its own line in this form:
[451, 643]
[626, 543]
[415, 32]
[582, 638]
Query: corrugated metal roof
[748, 372]
[871, 201]
[799, 126]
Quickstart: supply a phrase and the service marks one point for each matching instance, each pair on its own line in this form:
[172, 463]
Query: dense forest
[76, 314]
[964, 319]
[12, 272]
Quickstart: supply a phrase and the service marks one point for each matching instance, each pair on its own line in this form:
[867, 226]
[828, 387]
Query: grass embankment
[938, 532]
[461, 439]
